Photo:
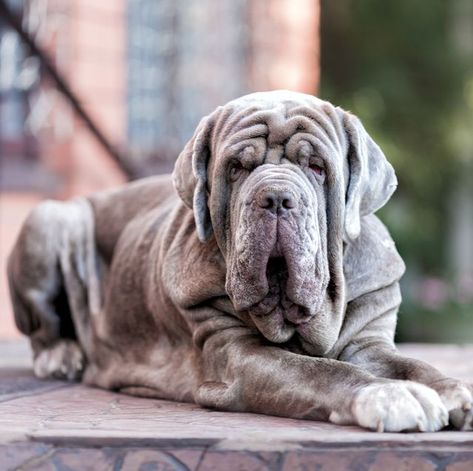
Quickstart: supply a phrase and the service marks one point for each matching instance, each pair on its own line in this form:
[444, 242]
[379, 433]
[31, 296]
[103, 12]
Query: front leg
[385, 361]
[244, 374]
[373, 349]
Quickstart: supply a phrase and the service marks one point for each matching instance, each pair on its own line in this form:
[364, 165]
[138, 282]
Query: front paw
[457, 397]
[396, 406]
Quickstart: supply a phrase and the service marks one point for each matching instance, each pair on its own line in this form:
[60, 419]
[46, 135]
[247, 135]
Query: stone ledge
[58, 425]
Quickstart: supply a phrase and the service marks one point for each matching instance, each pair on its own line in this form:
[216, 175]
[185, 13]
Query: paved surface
[54, 425]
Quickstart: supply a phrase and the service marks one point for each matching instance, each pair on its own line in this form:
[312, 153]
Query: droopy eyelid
[240, 163]
[317, 161]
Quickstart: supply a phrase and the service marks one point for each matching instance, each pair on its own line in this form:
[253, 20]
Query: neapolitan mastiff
[260, 281]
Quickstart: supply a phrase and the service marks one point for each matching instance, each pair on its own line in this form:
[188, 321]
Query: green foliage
[395, 64]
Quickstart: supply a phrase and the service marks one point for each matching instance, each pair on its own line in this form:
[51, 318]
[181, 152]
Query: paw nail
[380, 427]
[467, 406]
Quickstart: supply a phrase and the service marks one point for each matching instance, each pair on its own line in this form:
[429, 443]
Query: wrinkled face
[276, 179]
[277, 264]
[282, 180]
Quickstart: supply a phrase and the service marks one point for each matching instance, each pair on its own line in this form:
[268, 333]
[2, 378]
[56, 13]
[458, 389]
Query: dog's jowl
[255, 278]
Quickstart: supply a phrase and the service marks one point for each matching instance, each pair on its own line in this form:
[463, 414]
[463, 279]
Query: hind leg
[38, 294]
[64, 360]
[56, 353]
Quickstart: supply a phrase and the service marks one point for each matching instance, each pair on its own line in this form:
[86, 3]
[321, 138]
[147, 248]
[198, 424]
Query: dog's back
[114, 209]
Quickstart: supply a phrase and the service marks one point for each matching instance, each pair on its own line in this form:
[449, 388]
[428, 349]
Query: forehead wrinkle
[321, 121]
[310, 128]
[232, 117]
[273, 117]
[278, 130]
[342, 141]
[325, 141]
[258, 117]
[245, 124]
[252, 132]
[240, 150]
[240, 114]
[317, 139]
[278, 122]
[222, 116]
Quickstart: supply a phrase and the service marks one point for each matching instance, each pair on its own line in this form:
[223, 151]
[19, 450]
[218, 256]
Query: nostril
[267, 202]
[288, 203]
[276, 201]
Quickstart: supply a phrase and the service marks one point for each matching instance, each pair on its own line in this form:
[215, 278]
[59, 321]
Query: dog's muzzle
[273, 273]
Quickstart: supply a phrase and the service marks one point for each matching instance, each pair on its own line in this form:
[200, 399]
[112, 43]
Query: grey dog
[256, 278]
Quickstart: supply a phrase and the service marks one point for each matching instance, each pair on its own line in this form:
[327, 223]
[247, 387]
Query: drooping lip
[273, 272]
[293, 313]
[274, 328]
[276, 298]
[273, 295]
[280, 311]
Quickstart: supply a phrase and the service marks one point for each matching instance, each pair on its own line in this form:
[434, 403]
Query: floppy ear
[372, 180]
[190, 176]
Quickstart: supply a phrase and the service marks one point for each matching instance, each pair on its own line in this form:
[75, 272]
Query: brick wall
[146, 71]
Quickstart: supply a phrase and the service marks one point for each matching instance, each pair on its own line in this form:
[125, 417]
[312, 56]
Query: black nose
[276, 201]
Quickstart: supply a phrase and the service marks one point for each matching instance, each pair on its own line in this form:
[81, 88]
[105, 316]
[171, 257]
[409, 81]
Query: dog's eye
[317, 169]
[235, 171]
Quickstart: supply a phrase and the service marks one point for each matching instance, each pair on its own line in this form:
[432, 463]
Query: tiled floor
[56, 425]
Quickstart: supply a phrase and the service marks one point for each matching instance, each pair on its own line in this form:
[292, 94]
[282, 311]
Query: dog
[255, 278]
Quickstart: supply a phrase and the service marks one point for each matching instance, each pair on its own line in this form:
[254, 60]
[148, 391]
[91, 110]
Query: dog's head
[282, 180]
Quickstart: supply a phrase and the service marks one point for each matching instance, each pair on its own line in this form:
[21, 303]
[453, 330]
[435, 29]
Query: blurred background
[96, 92]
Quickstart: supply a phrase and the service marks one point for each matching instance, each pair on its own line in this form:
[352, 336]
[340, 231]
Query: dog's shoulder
[371, 261]
[193, 271]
